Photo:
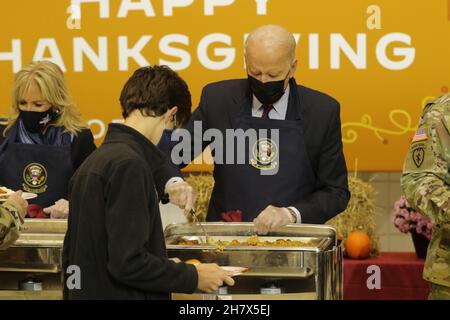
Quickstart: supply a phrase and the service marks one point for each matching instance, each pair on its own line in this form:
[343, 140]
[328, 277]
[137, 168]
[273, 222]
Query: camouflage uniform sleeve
[426, 178]
[10, 223]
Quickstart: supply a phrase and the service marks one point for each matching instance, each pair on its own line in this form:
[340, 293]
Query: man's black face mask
[267, 92]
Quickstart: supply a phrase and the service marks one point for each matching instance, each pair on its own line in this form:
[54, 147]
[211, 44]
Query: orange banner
[381, 59]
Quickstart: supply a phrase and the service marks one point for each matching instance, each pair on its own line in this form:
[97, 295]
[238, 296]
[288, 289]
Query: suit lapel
[241, 100]
[295, 102]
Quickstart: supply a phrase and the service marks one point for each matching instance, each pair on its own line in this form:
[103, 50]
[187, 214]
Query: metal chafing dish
[37, 254]
[306, 272]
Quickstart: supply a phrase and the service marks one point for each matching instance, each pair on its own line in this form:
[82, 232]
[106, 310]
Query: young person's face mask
[267, 92]
[36, 121]
[166, 137]
[167, 134]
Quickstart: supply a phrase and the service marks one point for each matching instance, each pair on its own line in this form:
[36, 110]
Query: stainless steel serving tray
[50, 226]
[42, 233]
[324, 237]
[38, 248]
[268, 262]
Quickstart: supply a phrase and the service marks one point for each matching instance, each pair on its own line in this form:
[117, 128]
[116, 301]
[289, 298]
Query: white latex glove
[271, 218]
[183, 195]
[60, 210]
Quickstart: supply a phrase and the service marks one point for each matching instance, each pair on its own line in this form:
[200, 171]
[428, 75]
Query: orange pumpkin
[358, 245]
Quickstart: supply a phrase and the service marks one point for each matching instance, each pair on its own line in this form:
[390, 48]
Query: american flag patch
[420, 135]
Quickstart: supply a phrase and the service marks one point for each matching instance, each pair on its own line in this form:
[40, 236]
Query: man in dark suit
[309, 183]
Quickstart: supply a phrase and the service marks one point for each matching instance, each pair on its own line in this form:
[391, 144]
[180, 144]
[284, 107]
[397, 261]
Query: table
[400, 278]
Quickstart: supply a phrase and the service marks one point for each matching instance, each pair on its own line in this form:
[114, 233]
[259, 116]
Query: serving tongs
[205, 241]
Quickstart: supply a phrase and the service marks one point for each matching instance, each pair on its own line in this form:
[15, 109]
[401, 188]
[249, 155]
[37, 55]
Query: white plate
[25, 195]
[29, 195]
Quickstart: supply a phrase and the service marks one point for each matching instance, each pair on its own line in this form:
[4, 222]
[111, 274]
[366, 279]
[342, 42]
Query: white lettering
[338, 43]
[74, 279]
[374, 20]
[81, 48]
[104, 7]
[261, 7]
[15, 55]
[130, 5]
[314, 51]
[374, 281]
[125, 53]
[185, 57]
[55, 54]
[211, 4]
[170, 4]
[408, 53]
[228, 53]
[74, 19]
[101, 126]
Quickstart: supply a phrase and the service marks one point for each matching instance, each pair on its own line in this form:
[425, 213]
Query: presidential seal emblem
[265, 154]
[35, 177]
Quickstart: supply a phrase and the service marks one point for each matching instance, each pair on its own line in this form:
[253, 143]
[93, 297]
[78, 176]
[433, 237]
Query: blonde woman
[44, 140]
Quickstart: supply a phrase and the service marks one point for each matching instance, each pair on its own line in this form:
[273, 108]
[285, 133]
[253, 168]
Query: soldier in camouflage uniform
[426, 183]
[12, 213]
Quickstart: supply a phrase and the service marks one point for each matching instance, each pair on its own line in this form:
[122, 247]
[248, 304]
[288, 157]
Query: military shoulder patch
[421, 135]
[418, 155]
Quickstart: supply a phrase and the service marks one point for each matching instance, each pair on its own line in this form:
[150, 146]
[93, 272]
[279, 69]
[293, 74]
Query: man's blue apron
[244, 187]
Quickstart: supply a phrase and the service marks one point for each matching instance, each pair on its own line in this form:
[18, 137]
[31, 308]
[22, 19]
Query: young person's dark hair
[155, 89]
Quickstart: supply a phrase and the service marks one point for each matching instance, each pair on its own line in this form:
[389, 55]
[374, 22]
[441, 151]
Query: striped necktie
[266, 110]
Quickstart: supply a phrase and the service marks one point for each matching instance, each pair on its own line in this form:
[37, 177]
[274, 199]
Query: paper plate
[29, 195]
[235, 270]
[25, 195]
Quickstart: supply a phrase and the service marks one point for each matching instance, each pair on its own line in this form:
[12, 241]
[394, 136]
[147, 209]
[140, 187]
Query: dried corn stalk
[360, 213]
[203, 183]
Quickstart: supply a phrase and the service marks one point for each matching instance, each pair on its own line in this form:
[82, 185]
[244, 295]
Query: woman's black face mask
[35, 121]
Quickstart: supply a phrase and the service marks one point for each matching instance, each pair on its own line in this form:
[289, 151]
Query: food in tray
[5, 192]
[252, 241]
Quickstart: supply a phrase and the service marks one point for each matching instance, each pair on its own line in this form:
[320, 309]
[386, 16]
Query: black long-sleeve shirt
[115, 233]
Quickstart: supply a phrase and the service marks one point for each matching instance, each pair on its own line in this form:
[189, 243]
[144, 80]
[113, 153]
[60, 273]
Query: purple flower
[404, 213]
[406, 219]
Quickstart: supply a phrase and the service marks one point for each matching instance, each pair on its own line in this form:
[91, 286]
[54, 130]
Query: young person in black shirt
[115, 233]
